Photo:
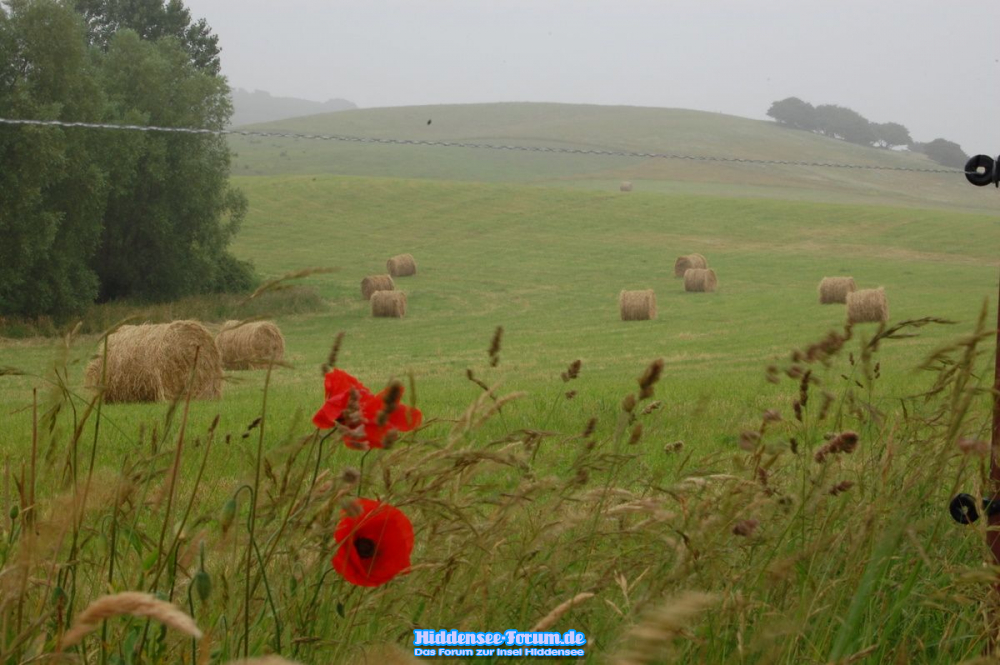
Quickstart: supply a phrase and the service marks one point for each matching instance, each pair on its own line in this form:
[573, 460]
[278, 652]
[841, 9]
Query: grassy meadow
[709, 534]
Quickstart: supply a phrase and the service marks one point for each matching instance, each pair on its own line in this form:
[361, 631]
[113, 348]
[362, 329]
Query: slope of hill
[259, 106]
[611, 128]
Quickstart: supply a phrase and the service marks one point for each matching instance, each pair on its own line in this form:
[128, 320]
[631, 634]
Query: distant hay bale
[867, 306]
[373, 283]
[835, 289]
[625, 187]
[152, 362]
[402, 265]
[685, 263]
[389, 304]
[251, 345]
[637, 305]
[700, 280]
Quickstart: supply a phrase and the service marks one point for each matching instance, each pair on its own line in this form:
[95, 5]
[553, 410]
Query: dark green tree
[946, 153]
[843, 123]
[891, 134]
[152, 20]
[171, 211]
[52, 186]
[794, 113]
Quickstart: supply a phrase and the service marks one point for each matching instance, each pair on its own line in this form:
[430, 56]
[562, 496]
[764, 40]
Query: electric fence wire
[472, 145]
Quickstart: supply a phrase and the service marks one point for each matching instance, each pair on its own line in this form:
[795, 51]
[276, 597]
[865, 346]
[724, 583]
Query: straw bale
[390, 304]
[252, 345]
[637, 305]
[153, 362]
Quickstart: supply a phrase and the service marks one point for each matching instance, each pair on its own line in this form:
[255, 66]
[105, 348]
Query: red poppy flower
[338, 394]
[338, 385]
[402, 419]
[375, 545]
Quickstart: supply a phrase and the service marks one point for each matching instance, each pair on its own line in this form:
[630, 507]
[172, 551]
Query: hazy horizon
[906, 62]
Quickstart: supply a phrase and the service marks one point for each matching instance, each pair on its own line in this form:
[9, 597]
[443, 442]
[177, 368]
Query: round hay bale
[867, 306]
[251, 345]
[637, 305]
[373, 283]
[402, 265]
[700, 280]
[389, 304]
[687, 262]
[153, 362]
[625, 187]
[835, 289]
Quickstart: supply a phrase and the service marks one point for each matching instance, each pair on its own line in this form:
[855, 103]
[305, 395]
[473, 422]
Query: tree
[946, 153]
[171, 211]
[891, 134]
[843, 123]
[52, 186]
[794, 113]
[152, 20]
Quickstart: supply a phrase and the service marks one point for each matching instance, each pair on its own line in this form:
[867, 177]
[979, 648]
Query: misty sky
[933, 65]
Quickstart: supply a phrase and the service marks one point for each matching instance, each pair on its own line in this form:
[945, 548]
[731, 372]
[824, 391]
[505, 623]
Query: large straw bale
[688, 261]
[153, 362]
[390, 304]
[625, 187]
[835, 289]
[867, 306]
[373, 283]
[700, 280]
[252, 345]
[637, 305]
[402, 265]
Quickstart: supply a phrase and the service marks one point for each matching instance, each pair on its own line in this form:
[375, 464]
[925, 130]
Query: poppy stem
[361, 473]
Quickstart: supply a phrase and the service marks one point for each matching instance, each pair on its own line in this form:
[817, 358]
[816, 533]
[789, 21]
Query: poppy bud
[202, 584]
[228, 514]
[15, 510]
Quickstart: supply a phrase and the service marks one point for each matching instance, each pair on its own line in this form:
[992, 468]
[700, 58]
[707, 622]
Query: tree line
[848, 125]
[92, 215]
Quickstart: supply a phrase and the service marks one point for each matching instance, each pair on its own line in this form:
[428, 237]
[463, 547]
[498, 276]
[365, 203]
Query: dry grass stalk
[401, 265]
[152, 362]
[552, 617]
[251, 345]
[700, 280]
[648, 640]
[263, 660]
[867, 306]
[835, 289]
[390, 304]
[625, 187]
[132, 603]
[373, 283]
[687, 262]
[637, 305]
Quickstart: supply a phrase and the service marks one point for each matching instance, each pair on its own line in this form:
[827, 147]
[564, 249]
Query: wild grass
[819, 535]
[207, 308]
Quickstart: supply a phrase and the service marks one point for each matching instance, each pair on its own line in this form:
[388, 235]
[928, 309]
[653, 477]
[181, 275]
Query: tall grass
[210, 308]
[821, 535]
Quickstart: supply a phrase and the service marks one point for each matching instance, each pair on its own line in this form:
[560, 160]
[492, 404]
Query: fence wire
[473, 145]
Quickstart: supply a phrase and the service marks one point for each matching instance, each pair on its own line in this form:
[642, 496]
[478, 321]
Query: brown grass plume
[867, 306]
[389, 304]
[373, 283]
[152, 362]
[402, 265]
[700, 280]
[251, 345]
[835, 289]
[134, 604]
[637, 305]
[685, 263]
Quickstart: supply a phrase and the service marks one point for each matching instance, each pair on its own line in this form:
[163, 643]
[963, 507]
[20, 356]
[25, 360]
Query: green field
[542, 247]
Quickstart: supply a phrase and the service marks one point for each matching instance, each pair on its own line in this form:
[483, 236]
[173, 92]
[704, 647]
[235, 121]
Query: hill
[259, 106]
[609, 128]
